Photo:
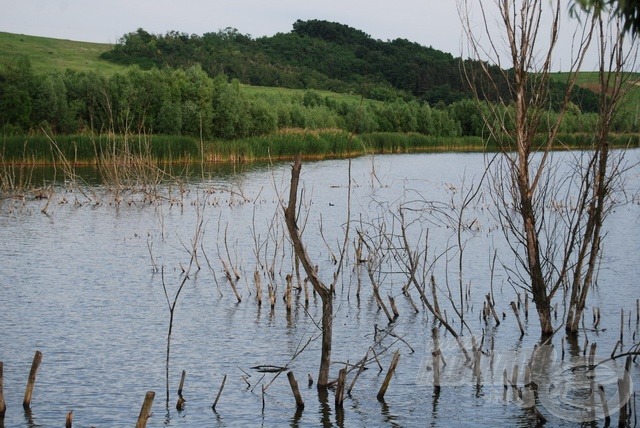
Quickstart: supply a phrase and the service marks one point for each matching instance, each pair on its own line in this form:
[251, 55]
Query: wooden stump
[517, 313]
[181, 401]
[387, 379]
[37, 359]
[3, 406]
[342, 377]
[296, 392]
[145, 411]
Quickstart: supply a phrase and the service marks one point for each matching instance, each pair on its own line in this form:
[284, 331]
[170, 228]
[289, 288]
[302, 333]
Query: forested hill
[315, 54]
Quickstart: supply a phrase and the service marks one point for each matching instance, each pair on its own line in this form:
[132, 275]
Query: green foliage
[315, 55]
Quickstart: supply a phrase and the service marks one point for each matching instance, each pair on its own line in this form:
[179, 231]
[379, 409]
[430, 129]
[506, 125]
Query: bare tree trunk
[318, 286]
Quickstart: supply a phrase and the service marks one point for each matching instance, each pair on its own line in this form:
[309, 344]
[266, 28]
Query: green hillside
[48, 54]
[589, 80]
[216, 87]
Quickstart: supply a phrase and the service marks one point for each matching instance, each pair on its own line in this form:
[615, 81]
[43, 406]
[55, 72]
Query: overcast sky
[428, 22]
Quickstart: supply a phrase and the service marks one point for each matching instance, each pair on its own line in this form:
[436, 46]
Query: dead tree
[325, 292]
[602, 172]
[527, 183]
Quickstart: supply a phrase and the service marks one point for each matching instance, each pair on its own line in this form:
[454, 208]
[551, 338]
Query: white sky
[428, 22]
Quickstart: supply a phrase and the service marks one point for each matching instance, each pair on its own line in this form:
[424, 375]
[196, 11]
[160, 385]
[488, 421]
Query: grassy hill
[589, 80]
[48, 54]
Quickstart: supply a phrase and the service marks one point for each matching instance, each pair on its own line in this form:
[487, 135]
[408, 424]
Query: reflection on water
[79, 284]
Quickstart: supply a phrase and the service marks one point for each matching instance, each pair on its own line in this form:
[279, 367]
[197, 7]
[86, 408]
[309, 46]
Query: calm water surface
[78, 283]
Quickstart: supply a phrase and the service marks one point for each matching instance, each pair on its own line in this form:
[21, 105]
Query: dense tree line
[187, 101]
[317, 55]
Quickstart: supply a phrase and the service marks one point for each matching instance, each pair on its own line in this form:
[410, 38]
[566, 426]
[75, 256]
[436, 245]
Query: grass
[392, 142]
[589, 79]
[284, 144]
[47, 54]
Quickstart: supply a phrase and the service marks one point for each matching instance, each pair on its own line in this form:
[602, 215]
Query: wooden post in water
[493, 309]
[436, 357]
[68, 423]
[272, 295]
[224, 379]
[181, 400]
[296, 392]
[37, 359]
[592, 381]
[515, 311]
[3, 406]
[256, 279]
[622, 325]
[342, 377]
[394, 308]
[288, 291]
[387, 379]
[145, 411]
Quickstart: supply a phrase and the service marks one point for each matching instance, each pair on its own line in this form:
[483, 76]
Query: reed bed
[286, 144]
[88, 149]
[572, 141]
[391, 142]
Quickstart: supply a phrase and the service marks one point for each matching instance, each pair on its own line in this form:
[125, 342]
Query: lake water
[83, 283]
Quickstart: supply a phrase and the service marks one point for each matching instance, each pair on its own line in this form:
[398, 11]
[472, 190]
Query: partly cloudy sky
[428, 22]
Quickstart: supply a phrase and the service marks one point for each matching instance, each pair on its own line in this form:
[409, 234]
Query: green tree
[198, 92]
[18, 83]
[468, 113]
[50, 105]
